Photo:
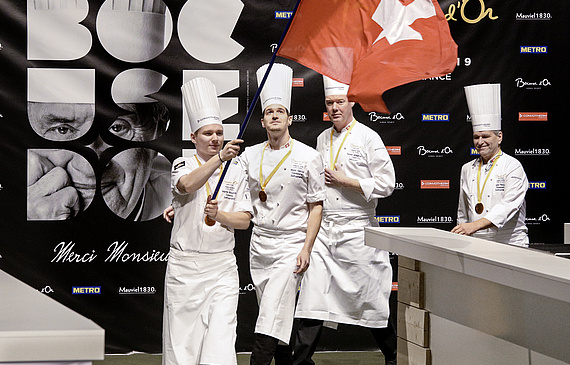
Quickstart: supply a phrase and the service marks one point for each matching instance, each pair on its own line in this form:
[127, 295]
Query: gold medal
[479, 208]
[263, 182]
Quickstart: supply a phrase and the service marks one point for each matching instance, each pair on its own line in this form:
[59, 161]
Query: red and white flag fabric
[372, 45]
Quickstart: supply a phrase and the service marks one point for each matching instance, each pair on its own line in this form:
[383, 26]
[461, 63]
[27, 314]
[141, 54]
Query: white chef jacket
[349, 282]
[202, 283]
[503, 199]
[189, 233]
[280, 228]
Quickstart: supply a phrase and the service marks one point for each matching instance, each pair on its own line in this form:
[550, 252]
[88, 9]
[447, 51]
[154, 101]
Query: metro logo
[283, 14]
[435, 117]
[86, 290]
[388, 218]
[534, 49]
[434, 184]
[537, 184]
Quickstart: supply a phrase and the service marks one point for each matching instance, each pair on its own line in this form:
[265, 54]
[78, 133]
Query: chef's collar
[499, 153]
[346, 127]
[286, 145]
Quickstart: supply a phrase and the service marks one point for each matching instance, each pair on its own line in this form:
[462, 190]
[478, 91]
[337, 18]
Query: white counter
[488, 302]
[34, 328]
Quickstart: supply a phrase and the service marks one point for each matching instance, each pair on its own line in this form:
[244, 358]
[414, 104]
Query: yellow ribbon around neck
[480, 191]
[208, 189]
[263, 183]
[333, 162]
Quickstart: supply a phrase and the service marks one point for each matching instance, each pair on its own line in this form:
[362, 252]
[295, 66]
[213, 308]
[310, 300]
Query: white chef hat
[201, 103]
[277, 88]
[134, 31]
[484, 102]
[333, 87]
[53, 85]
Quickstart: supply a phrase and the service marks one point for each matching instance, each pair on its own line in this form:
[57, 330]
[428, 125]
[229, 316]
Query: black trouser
[266, 347]
[309, 333]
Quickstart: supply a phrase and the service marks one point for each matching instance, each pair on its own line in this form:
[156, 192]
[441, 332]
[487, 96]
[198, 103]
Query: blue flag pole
[256, 97]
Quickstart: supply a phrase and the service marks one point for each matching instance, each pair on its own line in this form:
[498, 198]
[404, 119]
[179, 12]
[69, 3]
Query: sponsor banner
[394, 150]
[435, 117]
[387, 219]
[86, 290]
[434, 184]
[533, 49]
[533, 116]
[537, 185]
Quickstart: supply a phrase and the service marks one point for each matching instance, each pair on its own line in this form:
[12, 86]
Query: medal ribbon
[480, 192]
[333, 162]
[208, 189]
[263, 183]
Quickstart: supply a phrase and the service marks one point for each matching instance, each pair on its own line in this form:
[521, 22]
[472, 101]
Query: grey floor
[322, 358]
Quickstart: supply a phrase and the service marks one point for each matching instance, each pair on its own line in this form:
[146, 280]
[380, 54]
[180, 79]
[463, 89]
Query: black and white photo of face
[61, 121]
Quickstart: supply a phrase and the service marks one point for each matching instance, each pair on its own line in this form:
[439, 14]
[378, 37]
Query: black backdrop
[492, 36]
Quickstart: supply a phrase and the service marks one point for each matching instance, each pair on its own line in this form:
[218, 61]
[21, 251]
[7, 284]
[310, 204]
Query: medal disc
[479, 208]
[209, 221]
[262, 196]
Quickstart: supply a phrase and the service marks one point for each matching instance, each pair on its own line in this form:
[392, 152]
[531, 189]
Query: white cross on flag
[372, 45]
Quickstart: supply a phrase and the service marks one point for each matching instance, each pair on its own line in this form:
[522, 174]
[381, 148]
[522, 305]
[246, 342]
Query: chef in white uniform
[493, 186]
[202, 284]
[348, 282]
[286, 180]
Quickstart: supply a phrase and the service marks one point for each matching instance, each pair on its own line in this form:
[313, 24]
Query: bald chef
[202, 284]
[286, 180]
[493, 186]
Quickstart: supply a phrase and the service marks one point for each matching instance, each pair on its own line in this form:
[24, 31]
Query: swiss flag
[373, 45]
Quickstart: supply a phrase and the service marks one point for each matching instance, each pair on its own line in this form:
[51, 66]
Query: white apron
[200, 305]
[273, 258]
[347, 282]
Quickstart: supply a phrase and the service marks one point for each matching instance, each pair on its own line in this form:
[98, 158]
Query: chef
[287, 190]
[348, 282]
[202, 284]
[493, 186]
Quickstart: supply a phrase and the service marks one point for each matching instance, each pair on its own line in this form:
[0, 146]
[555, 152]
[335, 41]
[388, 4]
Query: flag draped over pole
[372, 45]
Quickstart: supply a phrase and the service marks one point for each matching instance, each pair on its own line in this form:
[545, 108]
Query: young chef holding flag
[493, 186]
[286, 180]
[202, 284]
